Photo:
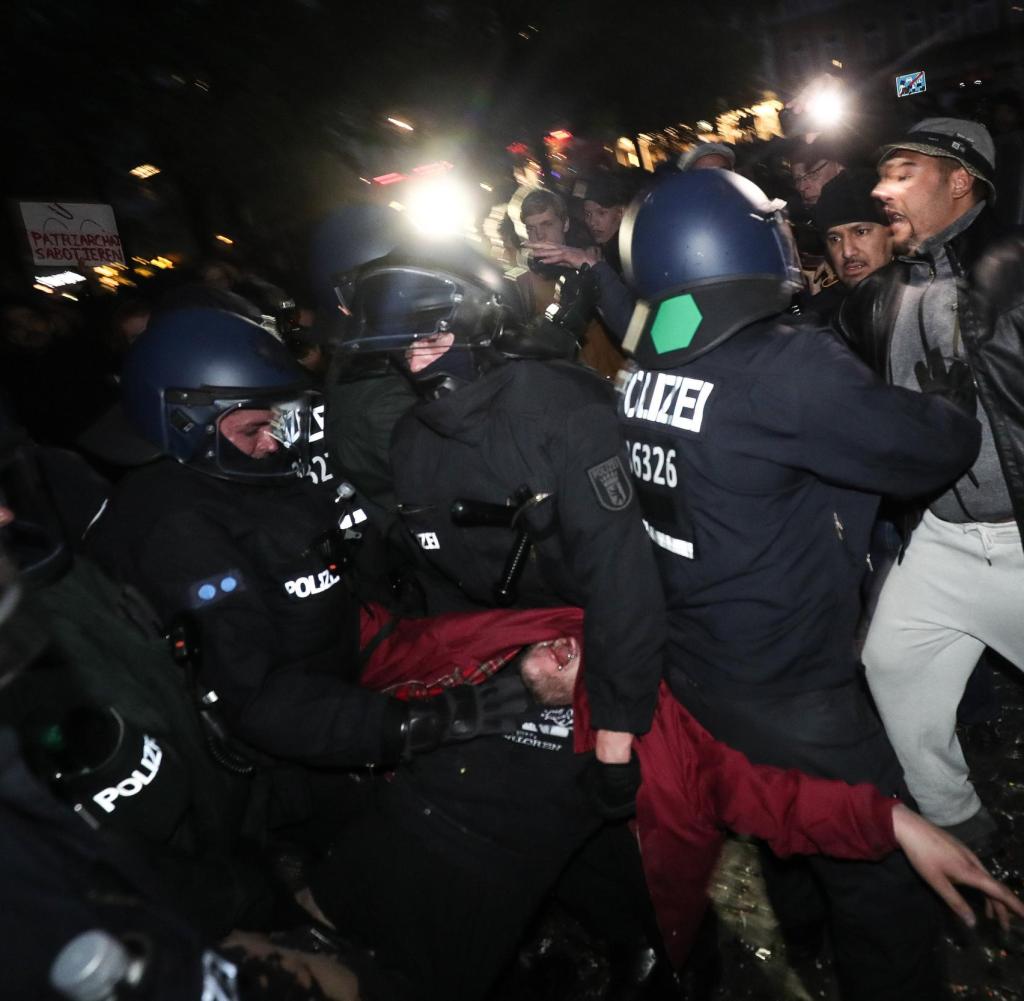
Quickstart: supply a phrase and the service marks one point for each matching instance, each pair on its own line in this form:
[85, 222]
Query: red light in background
[559, 135]
[518, 148]
[388, 178]
[427, 169]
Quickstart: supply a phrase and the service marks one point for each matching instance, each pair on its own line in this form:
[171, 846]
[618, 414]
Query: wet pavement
[560, 962]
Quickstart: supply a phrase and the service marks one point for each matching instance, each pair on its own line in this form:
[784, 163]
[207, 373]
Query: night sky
[263, 115]
[232, 89]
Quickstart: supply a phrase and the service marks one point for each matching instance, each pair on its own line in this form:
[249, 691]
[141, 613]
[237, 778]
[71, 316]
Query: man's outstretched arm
[943, 862]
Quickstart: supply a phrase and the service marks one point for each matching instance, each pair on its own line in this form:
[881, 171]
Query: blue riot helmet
[707, 253]
[443, 313]
[345, 240]
[192, 368]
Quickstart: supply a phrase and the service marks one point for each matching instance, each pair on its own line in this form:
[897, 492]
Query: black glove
[955, 384]
[579, 297]
[465, 712]
[612, 788]
[539, 339]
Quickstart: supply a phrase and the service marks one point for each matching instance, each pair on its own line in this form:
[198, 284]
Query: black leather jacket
[989, 266]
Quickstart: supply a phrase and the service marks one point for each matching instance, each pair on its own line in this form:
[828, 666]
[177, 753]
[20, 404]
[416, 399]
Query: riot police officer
[225, 531]
[758, 449]
[365, 397]
[95, 904]
[530, 441]
[511, 484]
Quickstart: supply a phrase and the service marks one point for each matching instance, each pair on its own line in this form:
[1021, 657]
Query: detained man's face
[810, 178]
[603, 223]
[546, 227]
[919, 197]
[549, 671]
[857, 249]
[249, 432]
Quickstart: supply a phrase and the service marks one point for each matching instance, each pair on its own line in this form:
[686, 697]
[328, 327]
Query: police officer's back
[514, 431]
[512, 488]
[760, 445]
[759, 449]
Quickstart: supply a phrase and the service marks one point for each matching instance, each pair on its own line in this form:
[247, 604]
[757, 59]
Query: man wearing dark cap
[853, 226]
[948, 318]
[856, 236]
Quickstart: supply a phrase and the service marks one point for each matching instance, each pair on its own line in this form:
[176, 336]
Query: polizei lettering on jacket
[663, 398]
[303, 587]
[137, 781]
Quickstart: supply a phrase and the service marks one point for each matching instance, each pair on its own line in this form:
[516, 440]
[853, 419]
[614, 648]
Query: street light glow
[399, 124]
[144, 170]
[58, 280]
[440, 207]
[826, 107]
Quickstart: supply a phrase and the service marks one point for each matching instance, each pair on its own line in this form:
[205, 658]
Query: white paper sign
[62, 234]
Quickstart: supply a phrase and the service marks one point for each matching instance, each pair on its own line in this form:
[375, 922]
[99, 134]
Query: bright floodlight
[826, 107]
[440, 207]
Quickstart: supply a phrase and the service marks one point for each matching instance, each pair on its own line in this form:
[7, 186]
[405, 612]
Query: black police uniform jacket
[550, 426]
[758, 464]
[278, 628]
[60, 880]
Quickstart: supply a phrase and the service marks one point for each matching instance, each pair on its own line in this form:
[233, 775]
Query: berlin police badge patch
[611, 484]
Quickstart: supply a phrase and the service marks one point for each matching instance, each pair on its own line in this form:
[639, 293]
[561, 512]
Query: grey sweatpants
[959, 589]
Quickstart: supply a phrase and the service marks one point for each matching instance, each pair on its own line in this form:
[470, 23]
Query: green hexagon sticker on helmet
[676, 324]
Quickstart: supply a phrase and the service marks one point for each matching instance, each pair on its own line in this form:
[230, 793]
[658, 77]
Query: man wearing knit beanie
[853, 226]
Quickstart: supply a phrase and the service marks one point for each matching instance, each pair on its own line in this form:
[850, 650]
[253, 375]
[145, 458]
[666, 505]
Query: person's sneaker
[980, 833]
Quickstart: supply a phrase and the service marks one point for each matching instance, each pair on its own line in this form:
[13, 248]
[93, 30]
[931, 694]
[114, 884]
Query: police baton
[474, 513]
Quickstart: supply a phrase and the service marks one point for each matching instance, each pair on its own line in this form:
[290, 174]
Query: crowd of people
[338, 637]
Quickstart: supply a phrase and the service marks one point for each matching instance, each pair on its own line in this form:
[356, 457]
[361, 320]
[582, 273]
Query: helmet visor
[261, 438]
[396, 307]
[783, 233]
